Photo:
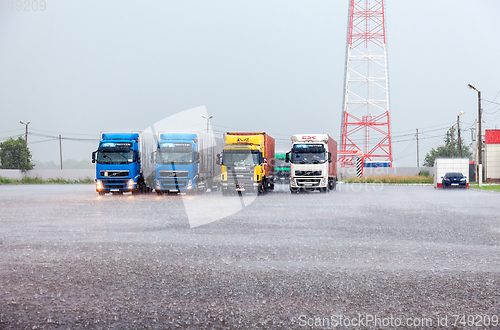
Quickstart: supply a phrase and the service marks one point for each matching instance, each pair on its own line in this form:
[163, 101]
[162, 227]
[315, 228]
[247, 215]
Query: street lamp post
[208, 120]
[479, 135]
[26, 139]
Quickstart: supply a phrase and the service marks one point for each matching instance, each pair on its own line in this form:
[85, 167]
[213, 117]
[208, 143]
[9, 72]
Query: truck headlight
[190, 182]
[131, 184]
[157, 184]
[98, 185]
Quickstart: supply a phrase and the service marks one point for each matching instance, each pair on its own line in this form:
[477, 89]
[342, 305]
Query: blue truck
[185, 162]
[123, 162]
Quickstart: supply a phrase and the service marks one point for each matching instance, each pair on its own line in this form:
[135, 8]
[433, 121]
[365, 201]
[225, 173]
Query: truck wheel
[294, 190]
[332, 184]
[324, 190]
[101, 193]
[262, 189]
[159, 192]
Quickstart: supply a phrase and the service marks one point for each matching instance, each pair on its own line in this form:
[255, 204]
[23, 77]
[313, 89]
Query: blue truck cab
[177, 163]
[118, 163]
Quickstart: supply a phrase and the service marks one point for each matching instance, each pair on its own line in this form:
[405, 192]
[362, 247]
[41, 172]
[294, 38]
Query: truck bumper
[248, 186]
[107, 185]
[308, 182]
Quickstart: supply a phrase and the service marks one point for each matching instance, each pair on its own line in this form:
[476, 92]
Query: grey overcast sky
[81, 67]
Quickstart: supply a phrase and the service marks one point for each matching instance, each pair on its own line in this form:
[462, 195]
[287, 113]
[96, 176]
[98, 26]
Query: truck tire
[159, 192]
[101, 193]
[294, 190]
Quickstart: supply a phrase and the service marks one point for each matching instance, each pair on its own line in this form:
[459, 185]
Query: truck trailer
[247, 163]
[122, 162]
[186, 162]
[313, 163]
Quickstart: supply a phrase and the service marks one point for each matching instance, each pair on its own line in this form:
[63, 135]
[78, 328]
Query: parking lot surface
[71, 259]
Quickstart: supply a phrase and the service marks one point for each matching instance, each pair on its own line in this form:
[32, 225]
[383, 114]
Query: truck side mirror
[264, 161]
[197, 157]
[152, 157]
[218, 160]
[138, 157]
[287, 157]
[329, 157]
[93, 157]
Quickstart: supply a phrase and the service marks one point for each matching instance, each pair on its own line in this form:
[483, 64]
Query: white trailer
[446, 165]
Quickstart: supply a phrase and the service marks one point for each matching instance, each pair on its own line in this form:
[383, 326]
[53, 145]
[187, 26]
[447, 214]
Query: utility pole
[459, 140]
[475, 158]
[26, 140]
[479, 133]
[452, 143]
[60, 150]
[418, 160]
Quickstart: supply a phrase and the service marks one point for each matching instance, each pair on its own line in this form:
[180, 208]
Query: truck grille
[173, 174]
[307, 173]
[239, 175]
[114, 184]
[114, 174]
[173, 185]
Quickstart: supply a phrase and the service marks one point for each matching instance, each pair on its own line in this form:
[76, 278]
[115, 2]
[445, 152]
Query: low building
[492, 142]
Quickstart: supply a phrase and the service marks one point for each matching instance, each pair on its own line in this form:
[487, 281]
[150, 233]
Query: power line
[40, 130]
[15, 130]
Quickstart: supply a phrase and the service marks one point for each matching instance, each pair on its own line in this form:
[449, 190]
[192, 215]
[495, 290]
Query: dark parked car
[454, 180]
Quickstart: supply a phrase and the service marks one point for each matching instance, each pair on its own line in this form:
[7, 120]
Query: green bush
[424, 173]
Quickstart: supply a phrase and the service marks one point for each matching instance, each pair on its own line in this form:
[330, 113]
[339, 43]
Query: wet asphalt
[402, 256]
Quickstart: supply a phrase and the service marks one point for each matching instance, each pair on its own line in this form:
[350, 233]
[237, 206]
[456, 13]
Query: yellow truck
[247, 163]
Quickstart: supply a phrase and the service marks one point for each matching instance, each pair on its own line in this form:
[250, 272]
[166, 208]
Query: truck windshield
[177, 155]
[115, 157]
[304, 154]
[241, 158]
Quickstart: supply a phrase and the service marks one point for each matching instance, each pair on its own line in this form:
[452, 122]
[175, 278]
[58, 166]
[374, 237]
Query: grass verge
[494, 187]
[400, 179]
[37, 180]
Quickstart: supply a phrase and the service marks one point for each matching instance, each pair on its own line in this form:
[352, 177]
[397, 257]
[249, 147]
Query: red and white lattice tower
[365, 115]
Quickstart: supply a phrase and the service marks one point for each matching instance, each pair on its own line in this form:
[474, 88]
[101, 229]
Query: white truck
[313, 162]
[451, 165]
